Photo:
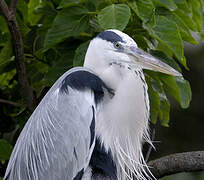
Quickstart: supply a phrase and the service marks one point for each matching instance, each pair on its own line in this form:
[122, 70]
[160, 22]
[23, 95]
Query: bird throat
[122, 122]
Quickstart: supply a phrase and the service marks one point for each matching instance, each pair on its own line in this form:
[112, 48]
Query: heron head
[115, 47]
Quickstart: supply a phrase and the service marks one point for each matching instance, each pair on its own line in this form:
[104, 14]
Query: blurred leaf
[197, 13]
[184, 30]
[6, 53]
[23, 8]
[57, 2]
[185, 91]
[63, 65]
[202, 31]
[80, 54]
[95, 25]
[24, 29]
[6, 77]
[167, 32]
[154, 102]
[4, 37]
[143, 9]
[68, 3]
[165, 49]
[47, 10]
[115, 16]
[36, 71]
[182, 4]
[159, 104]
[3, 25]
[164, 112]
[186, 19]
[5, 150]
[178, 88]
[169, 4]
[69, 22]
[171, 86]
[141, 41]
[33, 18]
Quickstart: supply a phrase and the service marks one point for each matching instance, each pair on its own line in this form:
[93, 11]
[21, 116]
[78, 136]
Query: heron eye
[117, 45]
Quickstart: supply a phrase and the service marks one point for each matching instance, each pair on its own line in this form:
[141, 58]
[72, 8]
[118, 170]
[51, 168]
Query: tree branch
[10, 16]
[4, 8]
[10, 103]
[175, 163]
[13, 5]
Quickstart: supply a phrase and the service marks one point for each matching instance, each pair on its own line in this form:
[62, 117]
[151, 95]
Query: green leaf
[33, 18]
[184, 30]
[36, 71]
[186, 19]
[48, 12]
[165, 49]
[57, 2]
[5, 78]
[164, 112]
[80, 54]
[69, 22]
[182, 4]
[6, 53]
[159, 104]
[24, 29]
[115, 16]
[185, 91]
[143, 9]
[171, 86]
[142, 42]
[154, 102]
[23, 8]
[3, 26]
[169, 4]
[197, 13]
[202, 31]
[46, 8]
[178, 87]
[167, 32]
[68, 3]
[5, 150]
[63, 65]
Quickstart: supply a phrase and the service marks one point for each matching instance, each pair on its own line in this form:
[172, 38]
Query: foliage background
[56, 34]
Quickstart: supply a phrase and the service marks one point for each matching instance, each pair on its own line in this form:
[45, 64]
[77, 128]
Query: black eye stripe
[110, 36]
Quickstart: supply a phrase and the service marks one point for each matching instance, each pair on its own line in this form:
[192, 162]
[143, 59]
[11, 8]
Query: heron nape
[93, 121]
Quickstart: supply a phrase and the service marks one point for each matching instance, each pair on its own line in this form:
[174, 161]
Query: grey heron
[93, 121]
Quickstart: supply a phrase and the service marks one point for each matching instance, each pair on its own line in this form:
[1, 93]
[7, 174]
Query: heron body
[93, 121]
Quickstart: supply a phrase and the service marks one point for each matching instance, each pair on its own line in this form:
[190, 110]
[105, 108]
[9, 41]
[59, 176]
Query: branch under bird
[93, 121]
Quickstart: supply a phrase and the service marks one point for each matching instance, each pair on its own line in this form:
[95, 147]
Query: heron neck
[122, 121]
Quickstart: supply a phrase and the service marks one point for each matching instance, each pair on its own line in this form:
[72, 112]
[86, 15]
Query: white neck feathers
[122, 122]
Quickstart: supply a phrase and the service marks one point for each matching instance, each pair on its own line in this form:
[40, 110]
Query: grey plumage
[51, 137]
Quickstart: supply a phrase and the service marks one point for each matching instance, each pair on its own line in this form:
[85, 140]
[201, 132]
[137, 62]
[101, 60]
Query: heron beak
[147, 61]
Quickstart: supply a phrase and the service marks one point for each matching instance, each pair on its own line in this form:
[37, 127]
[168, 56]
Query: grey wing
[57, 141]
